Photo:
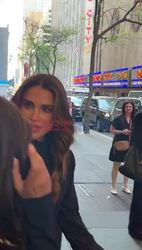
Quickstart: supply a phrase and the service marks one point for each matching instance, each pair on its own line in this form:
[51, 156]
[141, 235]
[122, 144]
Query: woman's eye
[47, 109]
[26, 105]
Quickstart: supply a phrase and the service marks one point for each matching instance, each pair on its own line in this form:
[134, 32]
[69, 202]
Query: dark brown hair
[123, 110]
[14, 138]
[62, 139]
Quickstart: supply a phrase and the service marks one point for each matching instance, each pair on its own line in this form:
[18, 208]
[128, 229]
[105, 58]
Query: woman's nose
[35, 114]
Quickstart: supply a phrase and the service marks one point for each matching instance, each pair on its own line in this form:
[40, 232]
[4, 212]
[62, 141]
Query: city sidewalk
[105, 215]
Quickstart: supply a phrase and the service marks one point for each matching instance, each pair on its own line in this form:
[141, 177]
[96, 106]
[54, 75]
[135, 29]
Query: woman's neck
[128, 116]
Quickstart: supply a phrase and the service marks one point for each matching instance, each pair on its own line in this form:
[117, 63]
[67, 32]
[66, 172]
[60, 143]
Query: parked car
[119, 103]
[100, 109]
[77, 103]
[135, 93]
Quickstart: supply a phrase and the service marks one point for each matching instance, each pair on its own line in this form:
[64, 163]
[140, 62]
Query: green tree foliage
[40, 46]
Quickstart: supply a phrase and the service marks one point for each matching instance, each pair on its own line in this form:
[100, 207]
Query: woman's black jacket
[45, 220]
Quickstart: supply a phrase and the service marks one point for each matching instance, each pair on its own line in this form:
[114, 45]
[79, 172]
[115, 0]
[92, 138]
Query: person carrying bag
[133, 168]
[121, 128]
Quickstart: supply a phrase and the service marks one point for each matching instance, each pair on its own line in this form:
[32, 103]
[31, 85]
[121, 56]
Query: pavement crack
[83, 189]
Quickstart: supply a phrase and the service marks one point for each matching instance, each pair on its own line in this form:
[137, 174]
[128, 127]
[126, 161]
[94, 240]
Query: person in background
[71, 109]
[135, 216]
[121, 128]
[19, 227]
[42, 101]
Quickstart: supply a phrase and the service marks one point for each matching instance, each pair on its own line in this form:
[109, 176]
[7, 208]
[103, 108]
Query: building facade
[36, 6]
[73, 13]
[4, 33]
[36, 12]
[121, 51]
[124, 48]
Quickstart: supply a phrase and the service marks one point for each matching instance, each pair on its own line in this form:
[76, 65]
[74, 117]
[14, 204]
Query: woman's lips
[36, 128]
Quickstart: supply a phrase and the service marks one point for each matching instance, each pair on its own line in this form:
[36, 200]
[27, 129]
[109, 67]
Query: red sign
[97, 78]
[88, 28]
[139, 73]
[79, 79]
[107, 76]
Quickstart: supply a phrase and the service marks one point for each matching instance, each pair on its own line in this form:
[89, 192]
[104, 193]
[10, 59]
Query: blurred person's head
[43, 102]
[14, 139]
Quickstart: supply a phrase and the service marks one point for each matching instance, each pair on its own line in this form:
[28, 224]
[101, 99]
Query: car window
[135, 94]
[93, 103]
[76, 100]
[106, 103]
[120, 103]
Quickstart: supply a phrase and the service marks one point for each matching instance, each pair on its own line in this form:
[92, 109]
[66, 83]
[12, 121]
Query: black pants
[135, 218]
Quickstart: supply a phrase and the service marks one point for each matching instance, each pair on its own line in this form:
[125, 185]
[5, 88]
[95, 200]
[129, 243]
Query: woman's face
[128, 108]
[37, 107]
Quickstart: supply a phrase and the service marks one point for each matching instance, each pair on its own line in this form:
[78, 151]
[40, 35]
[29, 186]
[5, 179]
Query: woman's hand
[38, 182]
[126, 132]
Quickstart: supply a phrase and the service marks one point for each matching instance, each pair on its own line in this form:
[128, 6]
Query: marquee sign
[96, 80]
[136, 81]
[117, 78]
[80, 80]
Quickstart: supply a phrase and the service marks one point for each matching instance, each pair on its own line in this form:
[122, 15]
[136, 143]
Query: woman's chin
[37, 136]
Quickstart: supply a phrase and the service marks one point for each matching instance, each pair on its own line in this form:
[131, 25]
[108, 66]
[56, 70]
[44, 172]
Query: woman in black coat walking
[43, 102]
[135, 217]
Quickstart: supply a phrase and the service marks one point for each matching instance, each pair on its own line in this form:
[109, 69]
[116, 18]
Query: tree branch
[131, 9]
[124, 19]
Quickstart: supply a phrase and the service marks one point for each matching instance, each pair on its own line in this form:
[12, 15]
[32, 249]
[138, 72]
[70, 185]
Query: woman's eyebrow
[43, 105]
[47, 105]
[26, 100]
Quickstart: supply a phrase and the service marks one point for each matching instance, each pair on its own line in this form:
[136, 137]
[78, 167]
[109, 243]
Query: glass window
[76, 100]
[136, 94]
[106, 103]
[94, 103]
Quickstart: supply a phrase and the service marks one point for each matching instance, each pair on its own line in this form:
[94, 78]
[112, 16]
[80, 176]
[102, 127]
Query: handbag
[121, 145]
[132, 167]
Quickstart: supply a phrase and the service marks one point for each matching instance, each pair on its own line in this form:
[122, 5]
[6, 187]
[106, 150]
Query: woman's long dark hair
[14, 138]
[61, 139]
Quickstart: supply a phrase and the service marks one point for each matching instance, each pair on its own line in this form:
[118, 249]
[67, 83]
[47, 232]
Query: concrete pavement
[105, 215]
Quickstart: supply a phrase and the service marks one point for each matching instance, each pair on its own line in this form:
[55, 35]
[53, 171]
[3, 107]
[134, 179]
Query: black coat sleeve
[70, 220]
[39, 223]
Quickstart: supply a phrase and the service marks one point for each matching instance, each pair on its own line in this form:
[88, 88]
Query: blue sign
[136, 81]
[117, 78]
[4, 82]
[96, 80]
